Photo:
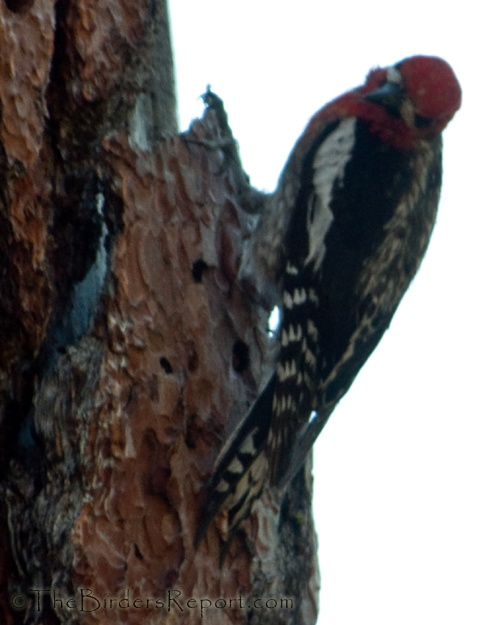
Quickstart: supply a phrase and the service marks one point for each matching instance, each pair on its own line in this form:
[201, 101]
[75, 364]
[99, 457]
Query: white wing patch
[328, 166]
[377, 272]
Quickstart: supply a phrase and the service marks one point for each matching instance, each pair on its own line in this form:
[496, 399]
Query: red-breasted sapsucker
[341, 239]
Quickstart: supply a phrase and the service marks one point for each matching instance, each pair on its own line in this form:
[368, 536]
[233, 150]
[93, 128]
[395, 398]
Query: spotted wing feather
[238, 478]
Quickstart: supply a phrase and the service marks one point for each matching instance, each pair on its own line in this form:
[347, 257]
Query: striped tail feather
[241, 469]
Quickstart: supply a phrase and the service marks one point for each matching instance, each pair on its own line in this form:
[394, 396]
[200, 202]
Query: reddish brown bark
[111, 420]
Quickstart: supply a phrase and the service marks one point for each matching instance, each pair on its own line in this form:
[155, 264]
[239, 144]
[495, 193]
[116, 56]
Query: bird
[337, 244]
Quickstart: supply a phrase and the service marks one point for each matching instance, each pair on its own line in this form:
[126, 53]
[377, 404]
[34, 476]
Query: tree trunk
[128, 348]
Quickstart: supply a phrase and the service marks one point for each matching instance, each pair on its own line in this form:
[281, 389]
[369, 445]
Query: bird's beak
[390, 96]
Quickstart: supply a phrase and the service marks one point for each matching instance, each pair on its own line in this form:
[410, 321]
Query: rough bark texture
[128, 348]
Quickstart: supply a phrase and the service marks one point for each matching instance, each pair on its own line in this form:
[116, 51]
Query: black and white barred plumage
[341, 238]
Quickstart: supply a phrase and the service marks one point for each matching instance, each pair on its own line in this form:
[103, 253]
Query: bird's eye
[422, 122]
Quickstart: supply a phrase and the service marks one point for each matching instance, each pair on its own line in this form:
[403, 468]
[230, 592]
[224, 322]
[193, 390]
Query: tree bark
[129, 350]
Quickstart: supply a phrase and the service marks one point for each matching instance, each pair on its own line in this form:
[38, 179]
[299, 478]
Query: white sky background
[407, 471]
